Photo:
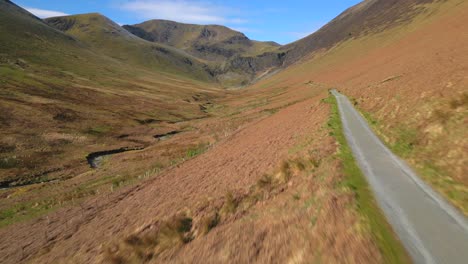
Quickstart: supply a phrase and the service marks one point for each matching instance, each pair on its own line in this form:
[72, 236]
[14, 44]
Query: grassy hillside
[108, 38]
[367, 17]
[62, 96]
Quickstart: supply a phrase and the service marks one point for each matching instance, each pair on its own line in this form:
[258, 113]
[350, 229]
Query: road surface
[431, 229]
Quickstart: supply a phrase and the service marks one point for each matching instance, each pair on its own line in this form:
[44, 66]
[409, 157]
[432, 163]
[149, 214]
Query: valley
[168, 142]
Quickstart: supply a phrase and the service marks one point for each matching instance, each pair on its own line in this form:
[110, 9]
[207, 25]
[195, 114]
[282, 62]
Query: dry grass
[265, 181]
[139, 248]
[209, 222]
[230, 204]
[460, 102]
[179, 230]
[284, 174]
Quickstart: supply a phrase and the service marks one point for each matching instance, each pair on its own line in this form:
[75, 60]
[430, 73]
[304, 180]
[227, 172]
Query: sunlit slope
[409, 79]
[367, 17]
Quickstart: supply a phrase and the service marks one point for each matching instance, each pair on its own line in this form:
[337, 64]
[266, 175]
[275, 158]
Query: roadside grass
[389, 245]
[410, 143]
[405, 139]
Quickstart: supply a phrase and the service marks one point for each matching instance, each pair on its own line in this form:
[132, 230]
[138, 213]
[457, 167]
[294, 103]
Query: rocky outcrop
[253, 65]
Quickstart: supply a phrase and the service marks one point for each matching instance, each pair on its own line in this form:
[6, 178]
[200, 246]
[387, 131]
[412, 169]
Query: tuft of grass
[285, 172]
[461, 102]
[209, 222]
[443, 116]
[298, 164]
[230, 204]
[271, 111]
[193, 152]
[405, 142]
[389, 245]
[265, 181]
[314, 162]
[370, 118]
[296, 196]
[141, 248]
[174, 232]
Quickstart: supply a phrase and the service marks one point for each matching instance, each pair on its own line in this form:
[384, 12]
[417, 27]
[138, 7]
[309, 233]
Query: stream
[95, 158]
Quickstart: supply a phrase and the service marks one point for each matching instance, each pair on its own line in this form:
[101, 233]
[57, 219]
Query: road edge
[389, 244]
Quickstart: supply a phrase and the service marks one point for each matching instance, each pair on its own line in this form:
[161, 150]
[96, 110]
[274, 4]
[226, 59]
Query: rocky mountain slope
[235, 59]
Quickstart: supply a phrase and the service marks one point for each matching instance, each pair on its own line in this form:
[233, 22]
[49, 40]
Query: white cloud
[201, 12]
[42, 13]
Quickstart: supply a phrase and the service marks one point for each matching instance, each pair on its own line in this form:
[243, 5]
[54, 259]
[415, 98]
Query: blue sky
[282, 21]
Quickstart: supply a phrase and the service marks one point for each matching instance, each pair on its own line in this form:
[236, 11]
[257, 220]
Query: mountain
[235, 59]
[367, 17]
[208, 42]
[108, 38]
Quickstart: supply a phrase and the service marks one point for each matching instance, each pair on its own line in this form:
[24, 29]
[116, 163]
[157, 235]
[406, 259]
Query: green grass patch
[406, 139]
[193, 152]
[30, 210]
[405, 142]
[8, 162]
[390, 247]
[98, 130]
[25, 211]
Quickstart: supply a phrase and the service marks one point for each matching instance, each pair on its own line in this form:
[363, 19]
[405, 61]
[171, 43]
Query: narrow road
[431, 229]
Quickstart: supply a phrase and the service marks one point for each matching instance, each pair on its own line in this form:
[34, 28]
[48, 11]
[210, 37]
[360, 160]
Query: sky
[282, 21]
